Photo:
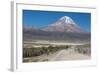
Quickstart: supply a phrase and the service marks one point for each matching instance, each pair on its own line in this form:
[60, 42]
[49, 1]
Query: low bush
[37, 51]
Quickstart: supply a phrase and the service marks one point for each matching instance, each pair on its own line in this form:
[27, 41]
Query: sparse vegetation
[45, 50]
[37, 51]
[84, 49]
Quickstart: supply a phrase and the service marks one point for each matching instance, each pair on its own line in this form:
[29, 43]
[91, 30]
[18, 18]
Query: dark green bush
[37, 51]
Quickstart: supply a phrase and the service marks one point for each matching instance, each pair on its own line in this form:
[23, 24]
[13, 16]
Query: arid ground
[40, 51]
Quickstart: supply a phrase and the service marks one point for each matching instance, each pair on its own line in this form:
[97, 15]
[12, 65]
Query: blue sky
[40, 19]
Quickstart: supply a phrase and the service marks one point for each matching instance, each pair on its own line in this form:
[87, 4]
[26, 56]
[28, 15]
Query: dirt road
[62, 55]
[69, 54]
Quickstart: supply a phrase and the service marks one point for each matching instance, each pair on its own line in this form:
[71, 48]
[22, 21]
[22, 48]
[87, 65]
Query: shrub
[37, 51]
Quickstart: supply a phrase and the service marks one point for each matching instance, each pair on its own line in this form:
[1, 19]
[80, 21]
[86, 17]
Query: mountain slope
[64, 24]
[65, 29]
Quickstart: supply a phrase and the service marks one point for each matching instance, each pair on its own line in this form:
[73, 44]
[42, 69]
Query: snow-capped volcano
[67, 19]
[64, 24]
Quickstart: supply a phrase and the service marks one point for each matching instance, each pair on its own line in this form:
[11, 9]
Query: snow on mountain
[64, 24]
[67, 19]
